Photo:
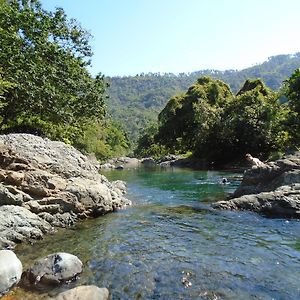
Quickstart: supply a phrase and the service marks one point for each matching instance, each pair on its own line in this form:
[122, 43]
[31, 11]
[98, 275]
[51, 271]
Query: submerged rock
[87, 292]
[53, 181]
[273, 189]
[10, 270]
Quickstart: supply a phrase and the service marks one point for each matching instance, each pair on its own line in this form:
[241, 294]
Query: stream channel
[172, 245]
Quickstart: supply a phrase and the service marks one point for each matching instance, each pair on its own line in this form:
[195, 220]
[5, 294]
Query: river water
[171, 245]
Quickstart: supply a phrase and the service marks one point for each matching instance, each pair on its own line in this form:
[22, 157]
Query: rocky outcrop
[46, 183]
[273, 189]
[10, 270]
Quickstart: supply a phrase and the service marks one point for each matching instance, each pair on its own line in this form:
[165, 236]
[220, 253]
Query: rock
[88, 292]
[107, 166]
[55, 269]
[148, 161]
[18, 224]
[10, 270]
[10, 196]
[168, 158]
[57, 157]
[119, 187]
[121, 163]
[54, 181]
[283, 202]
[273, 189]
[119, 167]
[172, 160]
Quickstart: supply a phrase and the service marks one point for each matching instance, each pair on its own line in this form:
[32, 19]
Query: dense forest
[137, 100]
[217, 126]
[45, 86]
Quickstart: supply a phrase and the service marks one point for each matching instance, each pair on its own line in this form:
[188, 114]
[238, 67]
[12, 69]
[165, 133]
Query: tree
[4, 86]
[292, 92]
[188, 119]
[220, 127]
[45, 56]
[253, 119]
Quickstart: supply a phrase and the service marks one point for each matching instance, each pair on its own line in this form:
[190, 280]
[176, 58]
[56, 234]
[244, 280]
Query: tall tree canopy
[217, 126]
[44, 55]
[45, 86]
[292, 92]
[189, 117]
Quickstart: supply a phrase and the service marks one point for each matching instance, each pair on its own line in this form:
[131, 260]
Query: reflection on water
[172, 245]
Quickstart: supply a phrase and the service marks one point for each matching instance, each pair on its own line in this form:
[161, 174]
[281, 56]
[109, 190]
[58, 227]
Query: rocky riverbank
[45, 274]
[170, 160]
[46, 184]
[272, 189]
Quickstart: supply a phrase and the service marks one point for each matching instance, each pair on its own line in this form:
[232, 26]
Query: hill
[135, 101]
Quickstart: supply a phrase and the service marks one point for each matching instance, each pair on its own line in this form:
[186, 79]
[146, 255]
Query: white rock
[10, 270]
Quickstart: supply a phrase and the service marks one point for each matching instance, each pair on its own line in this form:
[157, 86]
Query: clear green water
[171, 237]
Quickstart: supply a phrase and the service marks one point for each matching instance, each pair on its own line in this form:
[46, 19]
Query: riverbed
[172, 245]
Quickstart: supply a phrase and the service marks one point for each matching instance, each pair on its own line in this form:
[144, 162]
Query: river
[171, 245]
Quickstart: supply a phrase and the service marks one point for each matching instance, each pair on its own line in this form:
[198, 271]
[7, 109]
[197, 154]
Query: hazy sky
[134, 36]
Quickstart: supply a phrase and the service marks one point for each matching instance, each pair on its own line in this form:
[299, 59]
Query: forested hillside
[135, 101]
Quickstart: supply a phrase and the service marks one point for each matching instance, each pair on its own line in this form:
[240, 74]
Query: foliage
[187, 119]
[253, 120]
[45, 56]
[104, 139]
[147, 147]
[4, 86]
[292, 91]
[218, 126]
[46, 86]
[137, 100]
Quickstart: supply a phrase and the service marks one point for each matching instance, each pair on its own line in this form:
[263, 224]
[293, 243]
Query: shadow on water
[171, 245]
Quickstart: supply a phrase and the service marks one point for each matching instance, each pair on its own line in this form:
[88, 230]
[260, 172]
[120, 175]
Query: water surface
[171, 245]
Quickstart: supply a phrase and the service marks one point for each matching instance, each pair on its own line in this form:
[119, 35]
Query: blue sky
[135, 36]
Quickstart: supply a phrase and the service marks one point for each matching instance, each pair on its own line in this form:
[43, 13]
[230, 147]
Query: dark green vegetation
[218, 126]
[137, 100]
[45, 86]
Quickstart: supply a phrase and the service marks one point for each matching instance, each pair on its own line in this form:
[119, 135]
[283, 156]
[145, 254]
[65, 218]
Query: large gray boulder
[273, 189]
[87, 292]
[57, 157]
[53, 181]
[10, 270]
[55, 269]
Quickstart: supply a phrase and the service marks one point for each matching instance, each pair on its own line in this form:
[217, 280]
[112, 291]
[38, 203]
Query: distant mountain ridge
[135, 101]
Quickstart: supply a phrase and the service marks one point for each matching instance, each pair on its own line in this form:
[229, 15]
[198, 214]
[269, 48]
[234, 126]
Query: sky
[140, 36]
